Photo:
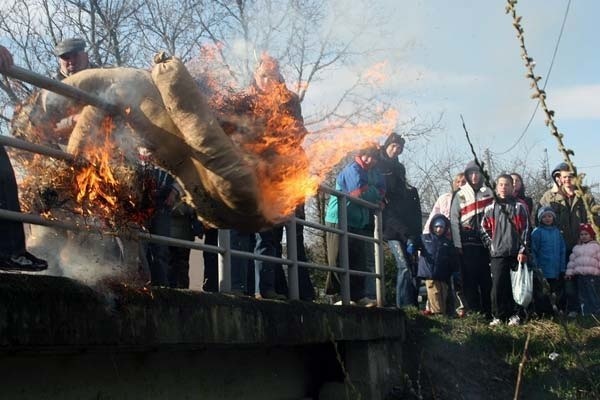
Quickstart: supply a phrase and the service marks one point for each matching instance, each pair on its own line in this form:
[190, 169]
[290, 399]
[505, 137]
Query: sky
[462, 57]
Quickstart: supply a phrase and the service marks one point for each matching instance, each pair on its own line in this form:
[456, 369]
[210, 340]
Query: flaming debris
[287, 162]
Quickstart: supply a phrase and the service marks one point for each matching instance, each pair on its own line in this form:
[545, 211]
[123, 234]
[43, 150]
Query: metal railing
[224, 250]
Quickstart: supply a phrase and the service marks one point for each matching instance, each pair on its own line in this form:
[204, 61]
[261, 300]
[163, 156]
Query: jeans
[589, 294]
[158, 254]
[239, 265]
[405, 288]
[211, 273]
[272, 278]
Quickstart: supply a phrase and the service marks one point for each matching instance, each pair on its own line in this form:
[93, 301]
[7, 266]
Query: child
[584, 263]
[437, 262]
[548, 252]
[504, 226]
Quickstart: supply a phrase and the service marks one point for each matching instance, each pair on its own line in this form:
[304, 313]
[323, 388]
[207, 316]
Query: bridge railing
[224, 250]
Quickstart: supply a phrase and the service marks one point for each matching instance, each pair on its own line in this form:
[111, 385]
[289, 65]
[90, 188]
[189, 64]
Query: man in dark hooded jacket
[401, 217]
[466, 213]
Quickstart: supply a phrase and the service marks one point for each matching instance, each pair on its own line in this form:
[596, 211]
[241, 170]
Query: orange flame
[96, 183]
[288, 172]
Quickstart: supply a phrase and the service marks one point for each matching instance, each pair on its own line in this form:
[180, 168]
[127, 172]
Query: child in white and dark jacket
[584, 264]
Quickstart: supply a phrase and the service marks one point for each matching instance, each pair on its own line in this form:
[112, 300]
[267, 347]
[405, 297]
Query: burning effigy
[239, 156]
[165, 112]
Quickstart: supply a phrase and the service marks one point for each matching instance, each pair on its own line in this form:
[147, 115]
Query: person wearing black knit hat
[401, 218]
[466, 213]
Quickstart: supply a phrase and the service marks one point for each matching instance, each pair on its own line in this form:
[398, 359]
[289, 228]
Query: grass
[466, 359]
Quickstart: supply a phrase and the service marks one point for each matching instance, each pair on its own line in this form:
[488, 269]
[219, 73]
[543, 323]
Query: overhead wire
[537, 105]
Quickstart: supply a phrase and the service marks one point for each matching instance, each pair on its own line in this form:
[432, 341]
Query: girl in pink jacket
[584, 264]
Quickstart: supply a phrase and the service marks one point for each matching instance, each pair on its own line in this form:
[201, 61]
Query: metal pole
[344, 259]
[38, 148]
[225, 261]
[379, 261]
[292, 254]
[61, 88]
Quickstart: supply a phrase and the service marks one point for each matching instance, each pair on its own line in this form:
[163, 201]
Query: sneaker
[339, 303]
[367, 302]
[272, 295]
[426, 312]
[514, 321]
[495, 322]
[461, 313]
[23, 262]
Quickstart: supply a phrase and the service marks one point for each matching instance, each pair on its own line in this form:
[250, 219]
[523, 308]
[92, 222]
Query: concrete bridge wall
[63, 340]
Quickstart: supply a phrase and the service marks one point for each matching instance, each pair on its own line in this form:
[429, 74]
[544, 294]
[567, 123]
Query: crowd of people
[464, 253]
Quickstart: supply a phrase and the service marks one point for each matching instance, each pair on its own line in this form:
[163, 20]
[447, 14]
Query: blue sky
[462, 57]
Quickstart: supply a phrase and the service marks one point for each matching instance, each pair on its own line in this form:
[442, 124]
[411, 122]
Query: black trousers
[503, 304]
[12, 235]
[477, 282]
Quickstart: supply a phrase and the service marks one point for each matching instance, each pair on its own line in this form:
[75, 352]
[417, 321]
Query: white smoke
[87, 257]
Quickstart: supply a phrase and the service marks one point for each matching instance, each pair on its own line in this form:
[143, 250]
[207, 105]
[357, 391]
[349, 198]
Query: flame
[96, 183]
[290, 168]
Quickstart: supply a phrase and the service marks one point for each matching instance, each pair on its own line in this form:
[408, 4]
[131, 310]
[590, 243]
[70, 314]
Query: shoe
[572, 314]
[272, 295]
[367, 302]
[339, 303]
[426, 312]
[23, 262]
[514, 321]
[258, 296]
[461, 313]
[495, 322]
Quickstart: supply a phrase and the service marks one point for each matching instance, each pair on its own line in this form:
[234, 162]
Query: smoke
[86, 257]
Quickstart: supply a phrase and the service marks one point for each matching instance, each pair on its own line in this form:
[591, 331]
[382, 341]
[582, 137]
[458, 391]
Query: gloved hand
[411, 249]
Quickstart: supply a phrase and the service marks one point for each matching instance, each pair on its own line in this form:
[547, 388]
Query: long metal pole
[344, 257]
[224, 262]
[292, 254]
[38, 148]
[61, 88]
[379, 259]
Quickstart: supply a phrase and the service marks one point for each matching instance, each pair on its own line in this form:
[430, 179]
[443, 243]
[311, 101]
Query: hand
[522, 258]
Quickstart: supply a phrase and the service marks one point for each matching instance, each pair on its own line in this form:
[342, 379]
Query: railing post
[225, 261]
[344, 259]
[292, 254]
[379, 259]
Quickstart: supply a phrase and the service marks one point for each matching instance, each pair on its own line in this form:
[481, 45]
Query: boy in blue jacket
[438, 259]
[548, 250]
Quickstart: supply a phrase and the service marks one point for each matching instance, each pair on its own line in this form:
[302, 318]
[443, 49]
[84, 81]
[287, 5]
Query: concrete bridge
[60, 339]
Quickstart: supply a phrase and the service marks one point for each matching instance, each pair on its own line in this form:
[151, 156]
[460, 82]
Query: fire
[96, 183]
[263, 122]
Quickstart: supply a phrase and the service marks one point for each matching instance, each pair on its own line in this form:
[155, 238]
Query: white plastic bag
[522, 284]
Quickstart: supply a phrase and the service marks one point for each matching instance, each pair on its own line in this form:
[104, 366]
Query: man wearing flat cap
[72, 57]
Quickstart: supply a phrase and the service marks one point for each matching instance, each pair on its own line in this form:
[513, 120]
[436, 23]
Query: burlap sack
[228, 199]
[228, 174]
